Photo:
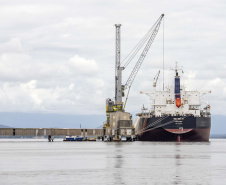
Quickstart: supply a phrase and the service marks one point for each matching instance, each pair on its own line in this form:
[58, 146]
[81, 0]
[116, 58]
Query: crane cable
[126, 98]
[150, 39]
[163, 52]
[139, 45]
[137, 48]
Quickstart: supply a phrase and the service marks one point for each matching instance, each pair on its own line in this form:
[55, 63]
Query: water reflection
[113, 163]
[197, 169]
[118, 164]
[178, 163]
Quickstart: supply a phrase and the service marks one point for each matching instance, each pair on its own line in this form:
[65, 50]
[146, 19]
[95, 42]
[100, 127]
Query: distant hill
[99, 127]
[4, 126]
[218, 125]
[220, 136]
[37, 120]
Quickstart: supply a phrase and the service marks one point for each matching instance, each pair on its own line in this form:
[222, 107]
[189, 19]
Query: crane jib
[143, 55]
[141, 59]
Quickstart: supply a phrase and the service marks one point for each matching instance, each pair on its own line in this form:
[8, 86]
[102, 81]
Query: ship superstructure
[176, 114]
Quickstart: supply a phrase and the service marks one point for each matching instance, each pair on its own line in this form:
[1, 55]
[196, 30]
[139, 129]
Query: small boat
[74, 138]
[91, 139]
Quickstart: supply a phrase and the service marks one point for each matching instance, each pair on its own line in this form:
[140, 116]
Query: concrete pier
[50, 131]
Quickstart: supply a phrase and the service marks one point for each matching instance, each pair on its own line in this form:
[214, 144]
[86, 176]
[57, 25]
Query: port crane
[115, 111]
[150, 36]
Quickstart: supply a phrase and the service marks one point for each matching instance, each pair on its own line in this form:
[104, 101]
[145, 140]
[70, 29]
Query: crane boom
[156, 79]
[143, 55]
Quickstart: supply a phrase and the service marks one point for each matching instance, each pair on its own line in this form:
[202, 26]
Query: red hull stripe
[178, 131]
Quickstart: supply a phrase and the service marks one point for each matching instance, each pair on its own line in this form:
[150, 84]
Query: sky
[58, 57]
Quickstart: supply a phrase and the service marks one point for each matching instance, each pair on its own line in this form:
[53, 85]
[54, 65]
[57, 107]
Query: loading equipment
[119, 126]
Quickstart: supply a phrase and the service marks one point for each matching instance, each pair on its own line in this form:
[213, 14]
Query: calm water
[36, 161]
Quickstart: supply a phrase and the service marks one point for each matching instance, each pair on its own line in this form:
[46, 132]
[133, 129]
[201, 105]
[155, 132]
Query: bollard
[50, 138]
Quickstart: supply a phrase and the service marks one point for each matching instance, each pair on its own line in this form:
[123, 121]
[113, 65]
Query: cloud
[12, 46]
[29, 85]
[83, 66]
[59, 57]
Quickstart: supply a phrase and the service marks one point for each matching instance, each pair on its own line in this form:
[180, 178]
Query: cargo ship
[176, 114]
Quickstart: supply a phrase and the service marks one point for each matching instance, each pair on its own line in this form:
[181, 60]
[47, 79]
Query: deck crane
[156, 79]
[116, 117]
[154, 85]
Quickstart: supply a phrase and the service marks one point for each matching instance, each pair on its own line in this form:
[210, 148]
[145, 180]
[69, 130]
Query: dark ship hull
[174, 128]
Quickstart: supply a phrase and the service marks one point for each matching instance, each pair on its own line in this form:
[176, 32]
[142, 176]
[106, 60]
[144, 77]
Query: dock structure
[50, 132]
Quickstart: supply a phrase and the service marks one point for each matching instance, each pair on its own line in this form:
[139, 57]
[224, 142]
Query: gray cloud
[59, 57]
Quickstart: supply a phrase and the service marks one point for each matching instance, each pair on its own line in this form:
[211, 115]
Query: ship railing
[146, 114]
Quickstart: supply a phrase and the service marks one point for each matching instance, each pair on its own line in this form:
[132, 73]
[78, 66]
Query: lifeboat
[178, 102]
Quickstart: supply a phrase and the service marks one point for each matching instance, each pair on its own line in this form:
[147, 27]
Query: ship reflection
[118, 164]
[178, 164]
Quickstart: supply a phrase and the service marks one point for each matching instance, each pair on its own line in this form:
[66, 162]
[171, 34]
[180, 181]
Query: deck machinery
[119, 125]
